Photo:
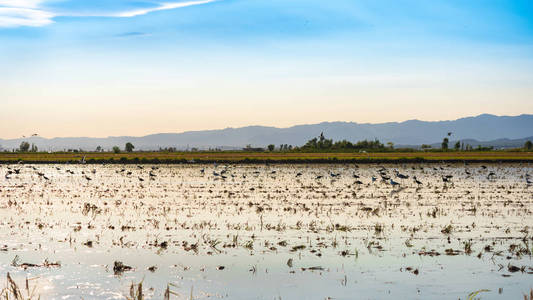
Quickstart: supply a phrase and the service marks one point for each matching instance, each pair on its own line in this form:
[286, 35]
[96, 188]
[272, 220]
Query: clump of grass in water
[530, 295]
[249, 245]
[378, 228]
[136, 292]
[468, 247]
[168, 292]
[12, 290]
[472, 296]
[447, 230]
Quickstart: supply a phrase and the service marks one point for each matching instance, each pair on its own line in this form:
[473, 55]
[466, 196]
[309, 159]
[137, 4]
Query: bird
[140, 179]
[319, 177]
[298, 174]
[402, 176]
[87, 178]
[358, 182]
[374, 178]
[394, 183]
[355, 176]
[418, 182]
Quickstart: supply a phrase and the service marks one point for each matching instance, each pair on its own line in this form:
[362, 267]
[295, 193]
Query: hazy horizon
[29, 135]
[113, 68]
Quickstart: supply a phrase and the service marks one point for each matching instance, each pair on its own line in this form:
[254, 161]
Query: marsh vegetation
[425, 231]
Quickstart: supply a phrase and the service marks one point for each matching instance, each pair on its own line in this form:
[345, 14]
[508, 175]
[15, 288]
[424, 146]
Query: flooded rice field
[421, 231]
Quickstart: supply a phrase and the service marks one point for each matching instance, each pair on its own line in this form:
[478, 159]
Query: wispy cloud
[21, 3]
[20, 16]
[163, 6]
[16, 13]
[132, 34]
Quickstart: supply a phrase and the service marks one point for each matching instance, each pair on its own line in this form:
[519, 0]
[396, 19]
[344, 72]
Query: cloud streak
[163, 6]
[17, 13]
[19, 16]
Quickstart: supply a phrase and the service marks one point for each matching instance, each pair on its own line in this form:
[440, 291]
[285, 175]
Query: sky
[102, 68]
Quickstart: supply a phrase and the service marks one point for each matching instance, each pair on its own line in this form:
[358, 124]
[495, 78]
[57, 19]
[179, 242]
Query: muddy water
[268, 232]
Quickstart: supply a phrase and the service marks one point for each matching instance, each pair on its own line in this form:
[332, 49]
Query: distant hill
[503, 130]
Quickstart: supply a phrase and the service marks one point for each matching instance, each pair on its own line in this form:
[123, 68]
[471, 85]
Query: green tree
[271, 147]
[528, 145]
[34, 148]
[116, 149]
[99, 149]
[24, 147]
[457, 146]
[129, 147]
[390, 144]
[444, 145]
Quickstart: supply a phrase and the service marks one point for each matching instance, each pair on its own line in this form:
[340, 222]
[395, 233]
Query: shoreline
[265, 158]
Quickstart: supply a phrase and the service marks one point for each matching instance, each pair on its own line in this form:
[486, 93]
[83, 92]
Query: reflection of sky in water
[372, 274]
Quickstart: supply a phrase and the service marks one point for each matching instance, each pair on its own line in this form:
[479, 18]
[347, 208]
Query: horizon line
[248, 126]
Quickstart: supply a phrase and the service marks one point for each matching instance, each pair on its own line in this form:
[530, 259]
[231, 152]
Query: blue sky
[190, 65]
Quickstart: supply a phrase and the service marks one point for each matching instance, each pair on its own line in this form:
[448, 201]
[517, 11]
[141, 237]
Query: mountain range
[485, 130]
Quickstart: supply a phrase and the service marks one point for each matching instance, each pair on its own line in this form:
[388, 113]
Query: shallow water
[233, 237]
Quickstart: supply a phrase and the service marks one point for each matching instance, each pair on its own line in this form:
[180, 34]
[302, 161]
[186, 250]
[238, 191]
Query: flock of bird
[392, 177]
[305, 212]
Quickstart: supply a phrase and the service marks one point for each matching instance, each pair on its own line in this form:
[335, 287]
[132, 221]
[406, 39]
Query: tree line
[320, 143]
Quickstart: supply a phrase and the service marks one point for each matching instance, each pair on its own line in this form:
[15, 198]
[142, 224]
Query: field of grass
[250, 157]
